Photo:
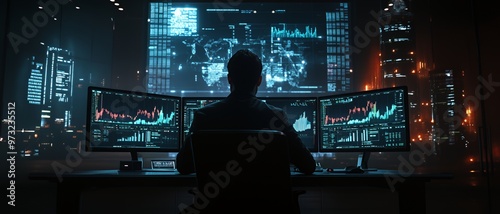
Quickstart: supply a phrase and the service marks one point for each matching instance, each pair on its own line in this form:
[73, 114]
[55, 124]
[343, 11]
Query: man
[242, 110]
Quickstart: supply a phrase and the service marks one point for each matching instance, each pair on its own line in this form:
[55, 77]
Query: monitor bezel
[405, 148]
[89, 145]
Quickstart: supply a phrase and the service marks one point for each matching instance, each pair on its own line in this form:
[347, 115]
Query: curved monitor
[367, 121]
[132, 121]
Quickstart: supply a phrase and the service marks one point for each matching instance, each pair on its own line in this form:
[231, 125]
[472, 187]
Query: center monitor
[301, 113]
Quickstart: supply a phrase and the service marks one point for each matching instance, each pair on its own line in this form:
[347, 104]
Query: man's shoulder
[230, 105]
[271, 107]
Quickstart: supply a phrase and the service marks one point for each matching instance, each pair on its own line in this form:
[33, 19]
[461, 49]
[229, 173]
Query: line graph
[352, 113]
[142, 117]
[130, 110]
[293, 32]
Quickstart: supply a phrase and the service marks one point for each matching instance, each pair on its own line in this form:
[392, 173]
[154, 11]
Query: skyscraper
[398, 60]
[447, 101]
[397, 45]
[448, 114]
[50, 86]
[57, 87]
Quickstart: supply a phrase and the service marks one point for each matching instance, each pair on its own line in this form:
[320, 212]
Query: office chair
[243, 171]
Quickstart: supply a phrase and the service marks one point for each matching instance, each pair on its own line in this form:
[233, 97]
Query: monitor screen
[304, 47]
[301, 112]
[375, 120]
[119, 120]
[189, 105]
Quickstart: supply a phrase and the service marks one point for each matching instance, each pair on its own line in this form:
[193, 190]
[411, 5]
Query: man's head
[244, 71]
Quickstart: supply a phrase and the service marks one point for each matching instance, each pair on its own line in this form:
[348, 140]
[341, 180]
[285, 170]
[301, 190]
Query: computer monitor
[189, 105]
[302, 114]
[367, 121]
[132, 121]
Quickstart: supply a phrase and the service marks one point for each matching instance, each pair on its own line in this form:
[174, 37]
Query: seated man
[242, 110]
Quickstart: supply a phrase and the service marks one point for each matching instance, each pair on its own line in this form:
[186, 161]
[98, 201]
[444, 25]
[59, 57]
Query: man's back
[245, 111]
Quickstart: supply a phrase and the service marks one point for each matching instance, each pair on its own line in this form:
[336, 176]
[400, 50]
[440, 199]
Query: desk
[411, 188]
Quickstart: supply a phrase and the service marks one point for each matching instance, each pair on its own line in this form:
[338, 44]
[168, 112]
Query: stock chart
[369, 120]
[128, 120]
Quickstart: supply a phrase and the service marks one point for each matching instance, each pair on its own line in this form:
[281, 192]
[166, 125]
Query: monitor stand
[363, 162]
[132, 165]
[361, 166]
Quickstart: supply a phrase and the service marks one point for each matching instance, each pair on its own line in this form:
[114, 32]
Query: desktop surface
[165, 173]
[411, 190]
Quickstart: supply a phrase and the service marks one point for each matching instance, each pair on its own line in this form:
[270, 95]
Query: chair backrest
[242, 169]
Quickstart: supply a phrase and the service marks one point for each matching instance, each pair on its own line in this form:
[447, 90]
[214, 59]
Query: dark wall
[3, 41]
